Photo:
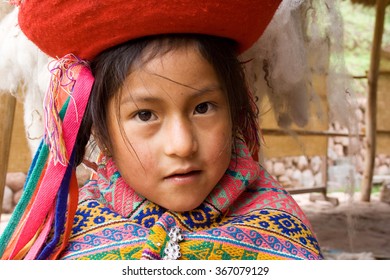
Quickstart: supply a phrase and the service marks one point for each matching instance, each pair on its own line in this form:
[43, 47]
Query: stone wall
[13, 190]
[346, 156]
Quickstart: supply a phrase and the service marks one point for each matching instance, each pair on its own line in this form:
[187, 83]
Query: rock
[302, 163]
[344, 130]
[269, 166]
[377, 163]
[318, 179]
[279, 169]
[363, 152]
[362, 130]
[337, 126]
[383, 170]
[362, 103]
[289, 172]
[360, 164]
[384, 195]
[345, 141]
[382, 159]
[308, 178]
[296, 178]
[284, 181]
[315, 164]
[354, 146]
[332, 154]
[339, 255]
[288, 162]
[331, 142]
[337, 139]
[339, 150]
[359, 115]
[8, 200]
[15, 180]
[17, 196]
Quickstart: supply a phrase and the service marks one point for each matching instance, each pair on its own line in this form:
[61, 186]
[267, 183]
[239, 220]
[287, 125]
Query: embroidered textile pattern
[247, 216]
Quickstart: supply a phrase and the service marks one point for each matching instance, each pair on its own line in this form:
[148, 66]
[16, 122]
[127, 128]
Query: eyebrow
[134, 97]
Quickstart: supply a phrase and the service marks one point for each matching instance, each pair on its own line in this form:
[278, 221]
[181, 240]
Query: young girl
[167, 102]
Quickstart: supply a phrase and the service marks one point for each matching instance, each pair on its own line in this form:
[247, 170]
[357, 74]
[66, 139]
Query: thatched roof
[367, 2]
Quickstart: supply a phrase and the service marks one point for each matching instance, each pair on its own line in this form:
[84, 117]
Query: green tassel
[30, 187]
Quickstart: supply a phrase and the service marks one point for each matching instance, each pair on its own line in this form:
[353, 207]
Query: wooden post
[7, 112]
[371, 110]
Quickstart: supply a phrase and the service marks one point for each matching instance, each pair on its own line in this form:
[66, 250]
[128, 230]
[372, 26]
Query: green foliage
[359, 22]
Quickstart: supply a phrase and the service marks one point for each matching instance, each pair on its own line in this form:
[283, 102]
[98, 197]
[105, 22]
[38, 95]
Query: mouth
[183, 174]
[183, 177]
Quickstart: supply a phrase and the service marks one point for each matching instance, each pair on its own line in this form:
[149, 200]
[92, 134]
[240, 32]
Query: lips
[191, 173]
[181, 177]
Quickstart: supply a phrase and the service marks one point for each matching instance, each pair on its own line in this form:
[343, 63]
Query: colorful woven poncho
[247, 216]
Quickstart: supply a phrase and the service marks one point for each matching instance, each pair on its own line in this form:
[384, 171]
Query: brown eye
[144, 115]
[202, 108]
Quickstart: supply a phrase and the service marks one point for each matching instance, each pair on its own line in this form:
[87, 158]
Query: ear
[98, 145]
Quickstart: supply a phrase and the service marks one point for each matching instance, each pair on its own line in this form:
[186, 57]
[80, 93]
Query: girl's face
[173, 139]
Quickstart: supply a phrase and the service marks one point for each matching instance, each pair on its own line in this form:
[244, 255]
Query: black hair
[111, 68]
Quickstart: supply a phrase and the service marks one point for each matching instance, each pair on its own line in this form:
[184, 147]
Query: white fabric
[304, 39]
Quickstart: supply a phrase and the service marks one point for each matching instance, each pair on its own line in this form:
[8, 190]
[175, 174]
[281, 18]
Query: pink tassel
[34, 250]
[61, 87]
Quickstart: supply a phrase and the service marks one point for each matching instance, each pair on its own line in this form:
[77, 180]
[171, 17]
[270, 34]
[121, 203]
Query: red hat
[87, 27]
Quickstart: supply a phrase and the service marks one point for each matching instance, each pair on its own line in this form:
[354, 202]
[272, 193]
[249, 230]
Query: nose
[180, 138]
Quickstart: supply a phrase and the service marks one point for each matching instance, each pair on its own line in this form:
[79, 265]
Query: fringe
[63, 78]
[47, 205]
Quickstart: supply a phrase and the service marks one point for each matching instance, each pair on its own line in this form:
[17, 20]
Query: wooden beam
[371, 110]
[7, 112]
[325, 133]
[380, 73]
[302, 132]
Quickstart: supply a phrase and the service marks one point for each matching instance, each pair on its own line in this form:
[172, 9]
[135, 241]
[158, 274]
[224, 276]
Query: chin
[183, 207]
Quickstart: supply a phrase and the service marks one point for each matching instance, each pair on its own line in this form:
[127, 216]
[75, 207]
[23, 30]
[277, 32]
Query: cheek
[136, 154]
[133, 156]
[137, 169]
[220, 145]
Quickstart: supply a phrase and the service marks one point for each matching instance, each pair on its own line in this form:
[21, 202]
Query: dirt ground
[351, 230]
